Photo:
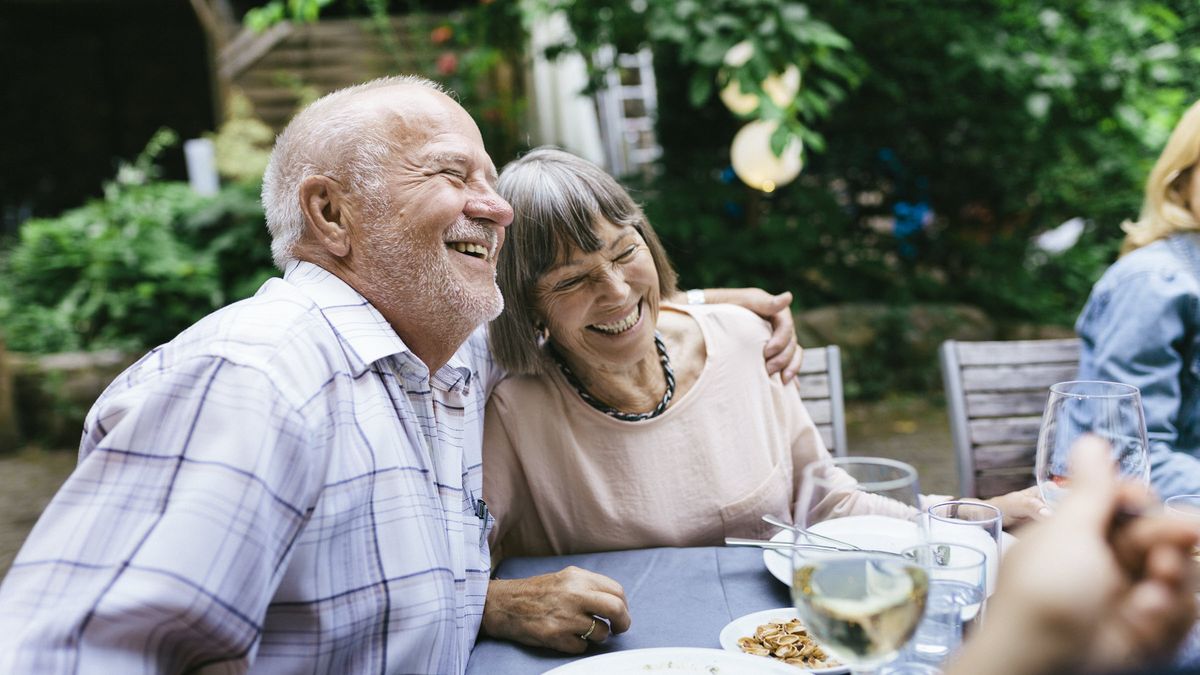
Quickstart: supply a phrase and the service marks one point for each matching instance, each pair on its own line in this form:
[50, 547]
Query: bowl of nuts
[777, 634]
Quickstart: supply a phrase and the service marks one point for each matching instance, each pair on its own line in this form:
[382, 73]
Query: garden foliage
[133, 268]
[977, 126]
[941, 138]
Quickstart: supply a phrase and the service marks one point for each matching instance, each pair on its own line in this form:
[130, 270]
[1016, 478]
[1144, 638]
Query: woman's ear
[321, 203]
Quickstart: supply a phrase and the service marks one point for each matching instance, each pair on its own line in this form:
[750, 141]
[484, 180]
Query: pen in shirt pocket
[481, 511]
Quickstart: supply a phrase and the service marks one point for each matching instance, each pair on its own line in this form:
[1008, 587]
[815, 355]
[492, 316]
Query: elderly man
[292, 484]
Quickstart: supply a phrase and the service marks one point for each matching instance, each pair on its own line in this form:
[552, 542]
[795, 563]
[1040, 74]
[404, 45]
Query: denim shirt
[1141, 326]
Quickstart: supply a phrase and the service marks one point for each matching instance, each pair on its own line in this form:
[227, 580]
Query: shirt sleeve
[163, 549]
[1131, 332]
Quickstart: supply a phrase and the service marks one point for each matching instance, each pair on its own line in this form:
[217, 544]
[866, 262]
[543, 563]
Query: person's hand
[782, 351]
[1089, 588]
[1020, 506]
[555, 610]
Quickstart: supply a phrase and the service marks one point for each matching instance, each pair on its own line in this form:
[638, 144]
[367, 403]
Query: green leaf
[700, 88]
[779, 139]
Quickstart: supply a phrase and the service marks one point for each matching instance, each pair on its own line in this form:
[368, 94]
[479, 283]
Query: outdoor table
[678, 597]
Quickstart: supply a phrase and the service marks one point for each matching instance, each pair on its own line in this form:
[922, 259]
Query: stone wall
[51, 394]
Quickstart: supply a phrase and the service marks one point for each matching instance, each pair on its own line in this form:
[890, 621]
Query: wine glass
[861, 599]
[1110, 410]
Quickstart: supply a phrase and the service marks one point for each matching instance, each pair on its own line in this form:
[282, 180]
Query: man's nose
[485, 203]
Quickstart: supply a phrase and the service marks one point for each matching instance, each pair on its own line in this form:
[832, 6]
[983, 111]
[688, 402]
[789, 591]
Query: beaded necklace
[596, 403]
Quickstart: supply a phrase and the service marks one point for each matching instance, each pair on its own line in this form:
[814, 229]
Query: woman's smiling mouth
[618, 327]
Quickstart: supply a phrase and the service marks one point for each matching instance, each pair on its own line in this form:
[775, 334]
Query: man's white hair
[331, 137]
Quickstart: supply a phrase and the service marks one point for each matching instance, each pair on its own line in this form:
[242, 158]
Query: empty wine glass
[1110, 410]
[862, 605]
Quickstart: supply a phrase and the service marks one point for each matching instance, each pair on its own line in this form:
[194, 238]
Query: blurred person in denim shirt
[1141, 324]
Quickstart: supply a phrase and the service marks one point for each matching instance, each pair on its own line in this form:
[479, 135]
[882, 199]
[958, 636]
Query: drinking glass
[970, 523]
[957, 579]
[1110, 410]
[861, 598]
[1186, 508]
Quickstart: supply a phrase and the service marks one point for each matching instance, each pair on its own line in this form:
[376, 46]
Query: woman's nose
[613, 287]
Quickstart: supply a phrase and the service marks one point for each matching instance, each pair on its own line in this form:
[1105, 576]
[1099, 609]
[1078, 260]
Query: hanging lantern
[781, 87]
[756, 165]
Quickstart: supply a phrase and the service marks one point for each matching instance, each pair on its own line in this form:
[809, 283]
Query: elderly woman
[629, 422]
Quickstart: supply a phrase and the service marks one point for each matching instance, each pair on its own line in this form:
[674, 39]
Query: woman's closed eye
[627, 254]
[568, 284]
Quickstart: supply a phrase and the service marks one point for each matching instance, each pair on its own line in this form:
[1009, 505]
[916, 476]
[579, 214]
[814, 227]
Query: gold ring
[588, 634]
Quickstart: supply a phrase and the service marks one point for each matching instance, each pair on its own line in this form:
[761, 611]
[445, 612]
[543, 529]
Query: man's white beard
[405, 275]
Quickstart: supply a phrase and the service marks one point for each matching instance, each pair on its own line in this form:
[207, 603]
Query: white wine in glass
[862, 607]
[862, 603]
[1109, 410]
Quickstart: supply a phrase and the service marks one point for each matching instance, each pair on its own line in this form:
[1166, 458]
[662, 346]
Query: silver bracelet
[695, 296]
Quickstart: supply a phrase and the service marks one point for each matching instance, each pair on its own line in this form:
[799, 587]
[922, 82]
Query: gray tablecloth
[678, 597]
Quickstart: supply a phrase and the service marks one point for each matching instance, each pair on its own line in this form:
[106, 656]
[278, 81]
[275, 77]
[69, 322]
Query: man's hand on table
[554, 610]
[782, 351]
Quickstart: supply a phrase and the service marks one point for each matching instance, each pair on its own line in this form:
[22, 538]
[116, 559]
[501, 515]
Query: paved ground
[910, 429]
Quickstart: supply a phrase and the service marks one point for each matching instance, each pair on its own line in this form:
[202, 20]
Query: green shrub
[132, 269]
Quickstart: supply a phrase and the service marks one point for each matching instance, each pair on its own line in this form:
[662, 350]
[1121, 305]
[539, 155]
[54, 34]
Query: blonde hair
[1165, 207]
[330, 137]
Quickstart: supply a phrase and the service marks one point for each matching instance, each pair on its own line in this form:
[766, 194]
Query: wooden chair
[820, 382]
[995, 394]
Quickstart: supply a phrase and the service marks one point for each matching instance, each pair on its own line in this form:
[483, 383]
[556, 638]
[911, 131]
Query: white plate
[878, 532]
[744, 626]
[674, 660]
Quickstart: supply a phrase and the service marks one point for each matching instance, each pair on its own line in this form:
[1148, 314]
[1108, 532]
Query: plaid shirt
[283, 488]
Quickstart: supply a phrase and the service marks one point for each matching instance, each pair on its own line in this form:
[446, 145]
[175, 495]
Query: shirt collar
[366, 337]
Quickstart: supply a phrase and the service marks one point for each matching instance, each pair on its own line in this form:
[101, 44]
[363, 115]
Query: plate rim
[1007, 540]
[768, 666]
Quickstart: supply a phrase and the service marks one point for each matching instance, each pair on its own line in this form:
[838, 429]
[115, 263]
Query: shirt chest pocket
[743, 516]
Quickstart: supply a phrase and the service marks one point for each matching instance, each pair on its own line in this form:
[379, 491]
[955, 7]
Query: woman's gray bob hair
[557, 199]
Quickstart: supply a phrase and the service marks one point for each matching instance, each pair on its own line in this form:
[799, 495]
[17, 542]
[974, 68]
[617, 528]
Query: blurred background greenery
[941, 140]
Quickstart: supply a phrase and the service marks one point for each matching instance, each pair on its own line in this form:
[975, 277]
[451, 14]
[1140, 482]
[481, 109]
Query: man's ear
[322, 205]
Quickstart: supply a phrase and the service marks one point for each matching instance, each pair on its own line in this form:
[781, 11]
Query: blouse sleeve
[845, 499]
[1131, 332]
[505, 487]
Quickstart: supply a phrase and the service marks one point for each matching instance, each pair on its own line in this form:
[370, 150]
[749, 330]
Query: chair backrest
[820, 382]
[995, 394]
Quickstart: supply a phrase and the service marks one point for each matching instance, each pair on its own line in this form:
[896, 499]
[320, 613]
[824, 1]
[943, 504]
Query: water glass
[971, 523]
[955, 600]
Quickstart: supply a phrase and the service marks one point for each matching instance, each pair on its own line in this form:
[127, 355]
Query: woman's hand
[1020, 506]
[782, 352]
[556, 610]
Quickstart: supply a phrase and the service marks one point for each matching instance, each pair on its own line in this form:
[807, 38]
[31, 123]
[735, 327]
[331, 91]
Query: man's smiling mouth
[474, 250]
